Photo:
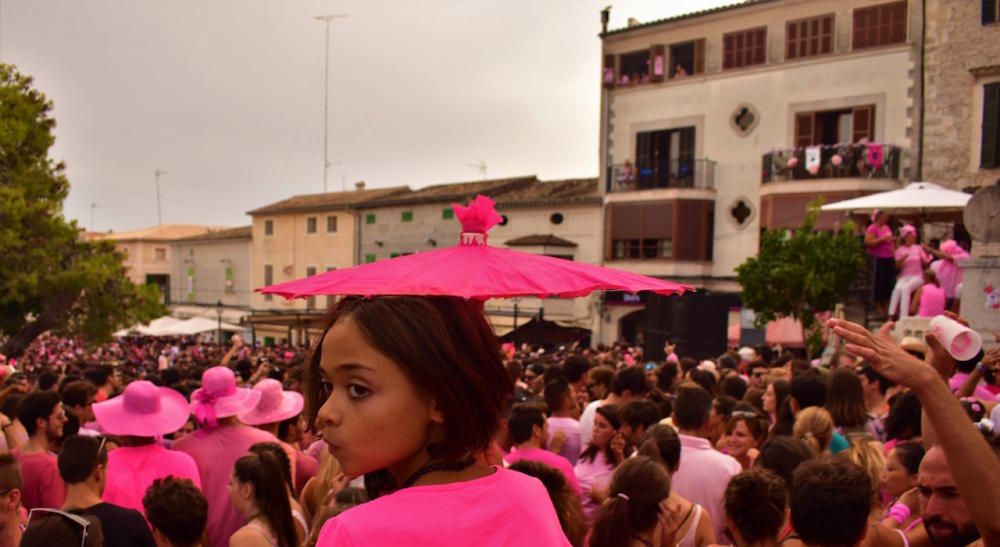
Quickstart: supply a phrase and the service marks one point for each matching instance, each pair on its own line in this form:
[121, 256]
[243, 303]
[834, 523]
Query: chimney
[605, 17]
[633, 22]
[359, 186]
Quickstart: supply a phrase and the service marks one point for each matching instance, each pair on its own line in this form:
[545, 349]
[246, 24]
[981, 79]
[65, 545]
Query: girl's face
[896, 480]
[374, 417]
[603, 431]
[769, 399]
[240, 494]
[741, 441]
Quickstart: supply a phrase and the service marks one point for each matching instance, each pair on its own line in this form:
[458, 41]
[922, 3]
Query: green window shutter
[370, 218]
[190, 284]
[393, 255]
[369, 258]
[991, 126]
[407, 216]
[447, 214]
[229, 280]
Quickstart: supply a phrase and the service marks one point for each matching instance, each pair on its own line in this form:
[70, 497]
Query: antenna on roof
[159, 210]
[481, 167]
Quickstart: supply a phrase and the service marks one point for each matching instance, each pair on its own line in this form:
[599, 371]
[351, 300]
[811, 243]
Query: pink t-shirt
[132, 470]
[570, 428]
[43, 487]
[214, 452]
[884, 249]
[553, 460]
[913, 257]
[703, 476]
[949, 274]
[505, 508]
[931, 301]
[595, 474]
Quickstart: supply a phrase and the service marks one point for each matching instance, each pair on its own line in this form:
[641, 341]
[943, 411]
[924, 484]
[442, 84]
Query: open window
[687, 58]
[846, 125]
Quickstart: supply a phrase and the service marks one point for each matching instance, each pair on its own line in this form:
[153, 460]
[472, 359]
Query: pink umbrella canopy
[473, 270]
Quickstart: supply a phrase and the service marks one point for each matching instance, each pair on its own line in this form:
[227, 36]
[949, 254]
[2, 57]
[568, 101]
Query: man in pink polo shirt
[139, 415]
[704, 472]
[220, 441]
[530, 432]
[43, 418]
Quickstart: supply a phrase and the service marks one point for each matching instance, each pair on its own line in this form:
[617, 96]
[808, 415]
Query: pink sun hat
[276, 404]
[219, 397]
[144, 410]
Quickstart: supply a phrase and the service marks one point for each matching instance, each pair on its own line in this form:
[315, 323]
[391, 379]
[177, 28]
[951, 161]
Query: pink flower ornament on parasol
[475, 270]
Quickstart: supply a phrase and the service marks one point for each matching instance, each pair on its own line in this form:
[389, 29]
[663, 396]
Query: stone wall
[957, 43]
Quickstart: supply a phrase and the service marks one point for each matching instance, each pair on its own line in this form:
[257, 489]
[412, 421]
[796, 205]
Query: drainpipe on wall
[923, 82]
[357, 237]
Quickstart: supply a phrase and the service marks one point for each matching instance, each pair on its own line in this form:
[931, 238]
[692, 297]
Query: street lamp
[218, 315]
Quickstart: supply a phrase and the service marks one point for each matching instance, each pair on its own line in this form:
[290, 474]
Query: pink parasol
[473, 270]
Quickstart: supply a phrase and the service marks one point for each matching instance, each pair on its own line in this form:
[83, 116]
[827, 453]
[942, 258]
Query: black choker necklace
[433, 466]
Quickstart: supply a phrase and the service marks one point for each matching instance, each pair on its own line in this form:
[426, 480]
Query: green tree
[801, 272]
[51, 278]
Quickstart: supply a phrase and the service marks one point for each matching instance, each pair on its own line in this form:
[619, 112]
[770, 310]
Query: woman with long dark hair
[598, 460]
[258, 492]
[629, 518]
[275, 449]
[774, 396]
[845, 401]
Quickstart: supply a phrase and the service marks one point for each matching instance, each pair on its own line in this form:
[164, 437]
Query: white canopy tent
[172, 326]
[925, 200]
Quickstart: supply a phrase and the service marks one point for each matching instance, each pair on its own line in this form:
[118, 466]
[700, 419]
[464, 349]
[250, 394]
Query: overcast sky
[227, 95]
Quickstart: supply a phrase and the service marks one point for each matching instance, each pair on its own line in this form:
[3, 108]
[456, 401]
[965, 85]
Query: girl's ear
[437, 416]
[246, 490]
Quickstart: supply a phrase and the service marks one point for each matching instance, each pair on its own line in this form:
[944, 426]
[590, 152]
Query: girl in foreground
[408, 392]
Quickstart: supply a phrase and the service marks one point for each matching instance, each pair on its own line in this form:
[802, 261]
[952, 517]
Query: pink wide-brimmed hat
[144, 410]
[219, 397]
[275, 405]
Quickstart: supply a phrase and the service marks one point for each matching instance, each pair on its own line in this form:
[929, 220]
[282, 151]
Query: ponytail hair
[279, 453]
[263, 471]
[633, 506]
[814, 426]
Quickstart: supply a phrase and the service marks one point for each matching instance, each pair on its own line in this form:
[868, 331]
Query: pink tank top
[931, 301]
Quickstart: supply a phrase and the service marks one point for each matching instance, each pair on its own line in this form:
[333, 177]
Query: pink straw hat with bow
[219, 397]
[144, 410]
[275, 405]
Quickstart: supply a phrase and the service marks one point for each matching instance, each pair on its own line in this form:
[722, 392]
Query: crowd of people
[409, 424]
[909, 278]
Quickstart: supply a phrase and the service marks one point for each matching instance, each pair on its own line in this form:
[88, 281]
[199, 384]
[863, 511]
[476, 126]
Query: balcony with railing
[842, 161]
[679, 173]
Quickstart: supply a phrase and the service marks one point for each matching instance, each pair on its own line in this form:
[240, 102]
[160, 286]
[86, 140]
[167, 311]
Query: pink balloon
[792, 162]
[813, 169]
[837, 160]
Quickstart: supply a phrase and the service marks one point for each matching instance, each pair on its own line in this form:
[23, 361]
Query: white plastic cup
[961, 342]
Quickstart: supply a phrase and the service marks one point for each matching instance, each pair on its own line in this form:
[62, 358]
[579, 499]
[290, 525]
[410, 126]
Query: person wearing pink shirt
[43, 418]
[410, 392]
[598, 461]
[949, 269]
[929, 300]
[275, 406]
[140, 415]
[911, 261]
[530, 432]
[560, 399]
[220, 441]
[880, 248]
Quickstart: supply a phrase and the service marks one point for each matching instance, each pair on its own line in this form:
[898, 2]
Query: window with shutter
[991, 11]
[744, 48]
[609, 74]
[804, 128]
[268, 280]
[863, 126]
[879, 25]
[990, 143]
[809, 37]
[657, 63]
[687, 58]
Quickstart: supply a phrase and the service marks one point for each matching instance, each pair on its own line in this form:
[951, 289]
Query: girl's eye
[358, 392]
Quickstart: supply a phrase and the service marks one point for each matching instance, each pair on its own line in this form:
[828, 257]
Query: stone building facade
[961, 61]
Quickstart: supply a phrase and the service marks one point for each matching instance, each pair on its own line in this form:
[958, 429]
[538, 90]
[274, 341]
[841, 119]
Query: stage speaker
[697, 323]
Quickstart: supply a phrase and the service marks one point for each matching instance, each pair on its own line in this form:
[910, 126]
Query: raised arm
[974, 465]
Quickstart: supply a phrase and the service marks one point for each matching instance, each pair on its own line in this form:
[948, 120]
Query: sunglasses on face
[76, 519]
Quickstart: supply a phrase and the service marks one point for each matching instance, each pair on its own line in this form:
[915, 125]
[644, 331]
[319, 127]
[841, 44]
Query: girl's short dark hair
[445, 346]
[903, 421]
[910, 454]
[567, 504]
[755, 501]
